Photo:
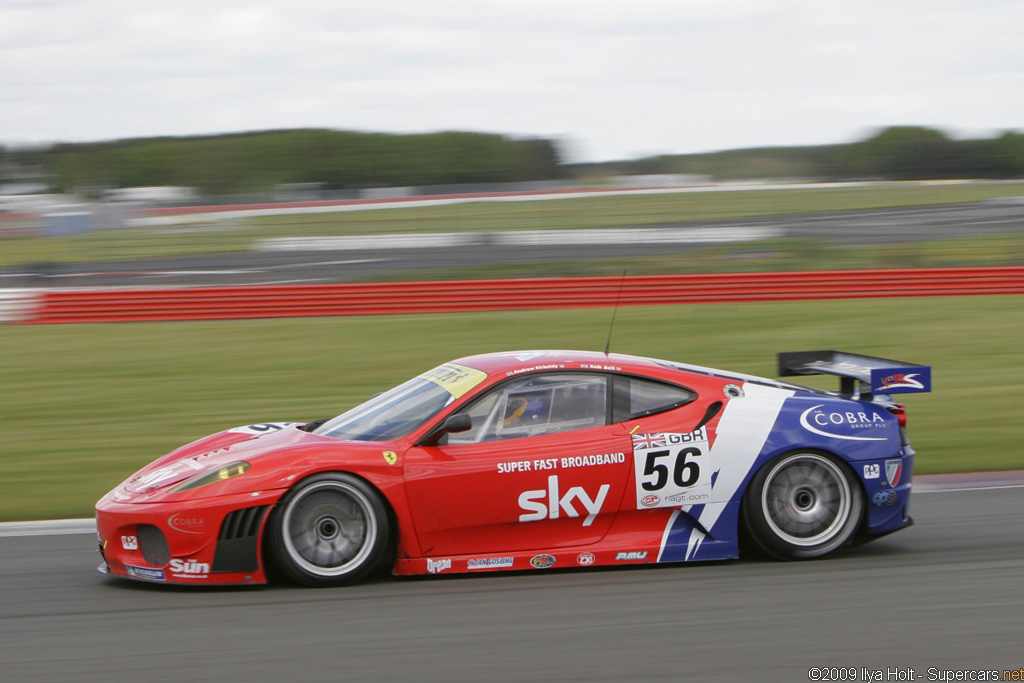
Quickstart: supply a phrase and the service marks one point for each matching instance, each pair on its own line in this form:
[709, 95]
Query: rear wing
[859, 375]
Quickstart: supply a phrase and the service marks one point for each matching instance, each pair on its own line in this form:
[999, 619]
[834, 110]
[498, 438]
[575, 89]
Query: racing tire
[330, 529]
[802, 505]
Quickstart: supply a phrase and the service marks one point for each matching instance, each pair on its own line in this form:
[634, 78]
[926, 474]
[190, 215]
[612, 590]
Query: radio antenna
[618, 299]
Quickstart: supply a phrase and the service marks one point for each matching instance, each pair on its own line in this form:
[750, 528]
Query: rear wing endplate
[859, 375]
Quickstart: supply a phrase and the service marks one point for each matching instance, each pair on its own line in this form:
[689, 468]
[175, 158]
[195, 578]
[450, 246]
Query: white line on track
[55, 527]
[967, 488]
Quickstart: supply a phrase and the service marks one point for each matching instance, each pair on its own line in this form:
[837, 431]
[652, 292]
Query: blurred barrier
[19, 224]
[522, 238]
[207, 303]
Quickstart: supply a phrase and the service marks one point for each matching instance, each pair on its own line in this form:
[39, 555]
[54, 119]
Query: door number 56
[684, 469]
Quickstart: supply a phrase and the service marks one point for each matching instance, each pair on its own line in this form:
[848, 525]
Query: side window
[636, 397]
[483, 413]
[542, 404]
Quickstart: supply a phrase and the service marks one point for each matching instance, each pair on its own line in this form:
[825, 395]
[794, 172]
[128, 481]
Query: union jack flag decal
[645, 441]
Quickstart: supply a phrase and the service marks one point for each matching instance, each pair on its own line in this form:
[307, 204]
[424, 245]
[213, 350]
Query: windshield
[390, 415]
[398, 412]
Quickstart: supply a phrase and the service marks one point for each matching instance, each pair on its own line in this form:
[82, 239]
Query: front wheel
[329, 530]
[802, 505]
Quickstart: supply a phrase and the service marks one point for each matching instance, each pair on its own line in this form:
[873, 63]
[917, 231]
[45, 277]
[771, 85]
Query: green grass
[653, 209]
[584, 212]
[83, 406]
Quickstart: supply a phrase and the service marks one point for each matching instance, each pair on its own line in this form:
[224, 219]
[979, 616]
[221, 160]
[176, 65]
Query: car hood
[206, 455]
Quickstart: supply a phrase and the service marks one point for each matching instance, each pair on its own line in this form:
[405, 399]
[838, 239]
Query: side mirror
[459, 422]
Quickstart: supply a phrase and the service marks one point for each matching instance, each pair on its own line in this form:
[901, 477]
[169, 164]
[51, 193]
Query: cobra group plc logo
[832, 423]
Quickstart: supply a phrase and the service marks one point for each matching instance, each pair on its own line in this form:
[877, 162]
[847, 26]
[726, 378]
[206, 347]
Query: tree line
[895, 153]
[336, 160]
[260, 161]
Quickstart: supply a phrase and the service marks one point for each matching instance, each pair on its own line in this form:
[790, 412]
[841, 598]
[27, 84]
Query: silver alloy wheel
[329, 528]
[806, 500]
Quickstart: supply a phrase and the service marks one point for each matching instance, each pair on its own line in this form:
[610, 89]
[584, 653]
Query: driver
[514, 410]
[522, 411]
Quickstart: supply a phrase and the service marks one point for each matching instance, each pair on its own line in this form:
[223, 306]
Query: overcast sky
[609, 79]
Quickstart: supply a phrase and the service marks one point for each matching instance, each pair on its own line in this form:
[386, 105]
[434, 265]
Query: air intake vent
[153, 545]
[242, 523]
[238, 541]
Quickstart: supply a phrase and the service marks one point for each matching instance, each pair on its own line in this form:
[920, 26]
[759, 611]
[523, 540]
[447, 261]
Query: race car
[531, 460]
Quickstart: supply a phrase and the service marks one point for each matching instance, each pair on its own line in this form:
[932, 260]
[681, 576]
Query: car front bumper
[206, 542]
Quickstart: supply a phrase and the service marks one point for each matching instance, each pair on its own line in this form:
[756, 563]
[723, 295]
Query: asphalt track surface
[316, 266]
[943, 595]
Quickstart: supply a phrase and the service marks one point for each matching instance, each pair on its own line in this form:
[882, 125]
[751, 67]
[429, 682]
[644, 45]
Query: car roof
[528, 360]
[515, 362]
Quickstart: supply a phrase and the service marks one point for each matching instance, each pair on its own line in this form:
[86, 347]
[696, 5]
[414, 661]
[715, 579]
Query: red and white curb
[19, 305]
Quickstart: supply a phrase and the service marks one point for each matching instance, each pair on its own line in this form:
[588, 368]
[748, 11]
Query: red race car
[531, 460]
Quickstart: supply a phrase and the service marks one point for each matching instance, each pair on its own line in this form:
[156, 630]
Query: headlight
[212, 477]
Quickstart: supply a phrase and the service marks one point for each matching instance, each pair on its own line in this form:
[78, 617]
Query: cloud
[617, 78]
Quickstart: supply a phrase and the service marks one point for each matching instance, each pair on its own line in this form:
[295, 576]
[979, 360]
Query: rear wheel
[802, 505]
[330, 530]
